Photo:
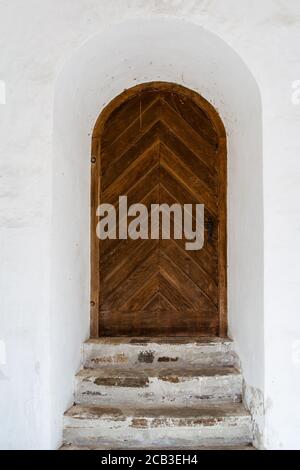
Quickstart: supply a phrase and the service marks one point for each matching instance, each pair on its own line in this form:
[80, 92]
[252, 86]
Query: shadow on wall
[118, 58]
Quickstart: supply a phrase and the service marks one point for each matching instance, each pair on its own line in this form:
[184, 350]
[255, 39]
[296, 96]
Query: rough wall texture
[37, 38]
[133, 53]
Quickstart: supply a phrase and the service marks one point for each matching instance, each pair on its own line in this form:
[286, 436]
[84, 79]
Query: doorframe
[214, 117]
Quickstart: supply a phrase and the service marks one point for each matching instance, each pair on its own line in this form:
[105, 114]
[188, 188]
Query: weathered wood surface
[159, 145]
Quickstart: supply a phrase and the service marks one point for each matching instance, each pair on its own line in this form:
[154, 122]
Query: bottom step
[238, 447]
[169, 428]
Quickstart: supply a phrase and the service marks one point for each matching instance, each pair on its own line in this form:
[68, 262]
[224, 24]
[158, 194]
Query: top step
[159, 351]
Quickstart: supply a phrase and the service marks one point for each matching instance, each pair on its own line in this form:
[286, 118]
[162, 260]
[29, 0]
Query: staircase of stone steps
[158, 393]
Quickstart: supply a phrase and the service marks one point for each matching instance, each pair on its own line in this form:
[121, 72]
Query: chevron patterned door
[159, 146]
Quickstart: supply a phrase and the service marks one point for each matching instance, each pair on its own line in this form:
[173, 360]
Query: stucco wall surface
[62, 61]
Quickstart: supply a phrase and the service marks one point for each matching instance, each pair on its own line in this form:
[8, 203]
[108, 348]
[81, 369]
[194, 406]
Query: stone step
[202, 426]
[237, 447]
[159, 352]
[158, 386]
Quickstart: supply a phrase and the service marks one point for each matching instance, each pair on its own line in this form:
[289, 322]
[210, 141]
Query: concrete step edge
[126, 377]
[167, 341]
[209, 413]
[67, 446]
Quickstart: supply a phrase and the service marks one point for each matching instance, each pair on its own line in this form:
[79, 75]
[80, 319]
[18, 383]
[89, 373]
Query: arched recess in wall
[117, 58]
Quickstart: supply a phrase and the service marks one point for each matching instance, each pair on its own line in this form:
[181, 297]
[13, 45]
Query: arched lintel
[206, 107]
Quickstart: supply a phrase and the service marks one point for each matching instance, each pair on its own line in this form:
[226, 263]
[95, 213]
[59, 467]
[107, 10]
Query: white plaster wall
[120, 57]
[37, 38]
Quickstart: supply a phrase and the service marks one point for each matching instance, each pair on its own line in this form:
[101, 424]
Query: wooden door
[159, 143]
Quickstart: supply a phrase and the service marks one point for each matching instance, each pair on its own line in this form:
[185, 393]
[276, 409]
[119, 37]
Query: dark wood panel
[130, 136]
[208, 176]
[161, 144]
[126, 113]
[188, 136]
[138, 322]
[136, 277]
[187, 179]
[189, 265]
[194, 116]
[146, 162]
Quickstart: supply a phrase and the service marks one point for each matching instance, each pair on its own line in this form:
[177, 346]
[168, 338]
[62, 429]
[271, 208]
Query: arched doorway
[159, 143]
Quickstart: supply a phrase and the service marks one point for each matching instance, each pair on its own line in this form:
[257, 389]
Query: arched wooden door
[159, 143]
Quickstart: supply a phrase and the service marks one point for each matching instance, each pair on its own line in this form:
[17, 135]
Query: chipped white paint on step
[223, 425]
[152, 387]
[159, 352]
[159, 392]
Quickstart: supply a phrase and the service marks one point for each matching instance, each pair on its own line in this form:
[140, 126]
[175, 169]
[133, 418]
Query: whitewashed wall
[62, 61]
